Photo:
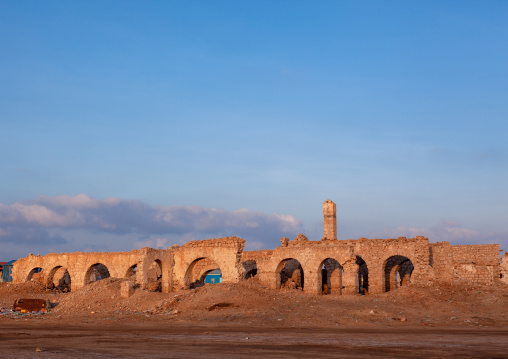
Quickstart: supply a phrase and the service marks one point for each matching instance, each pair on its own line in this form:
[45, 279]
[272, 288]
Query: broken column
[330, 220]
[126, 289]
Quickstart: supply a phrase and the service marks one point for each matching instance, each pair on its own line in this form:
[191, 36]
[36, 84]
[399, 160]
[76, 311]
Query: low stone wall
[476, 263]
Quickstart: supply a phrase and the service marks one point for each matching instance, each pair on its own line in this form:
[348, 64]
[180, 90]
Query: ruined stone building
[327, 266]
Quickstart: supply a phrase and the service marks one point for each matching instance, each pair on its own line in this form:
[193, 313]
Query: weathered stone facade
[504, 268]
[328, 266]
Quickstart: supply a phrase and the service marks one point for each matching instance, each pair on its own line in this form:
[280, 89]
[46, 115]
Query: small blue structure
[214, 277]
[7, 270]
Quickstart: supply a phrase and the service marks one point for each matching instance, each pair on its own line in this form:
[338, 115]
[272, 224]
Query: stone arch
[154, 276]
[152, 273]
[330, 277]
[59, 278]
[213, 273]
[194, 275]
[397, 272]
[363, 276]
[131, 271]
[290, 274]
[35, 274]
[95, 272]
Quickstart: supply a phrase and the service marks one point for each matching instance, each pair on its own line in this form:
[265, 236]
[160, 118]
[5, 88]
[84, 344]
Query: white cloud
[52, 220]
[450, 231]
[152, 243]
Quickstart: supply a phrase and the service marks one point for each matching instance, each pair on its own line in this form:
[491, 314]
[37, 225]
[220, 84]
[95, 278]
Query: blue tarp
[214, 276]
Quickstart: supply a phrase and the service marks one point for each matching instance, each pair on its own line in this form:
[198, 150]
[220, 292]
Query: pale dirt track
[186, 340]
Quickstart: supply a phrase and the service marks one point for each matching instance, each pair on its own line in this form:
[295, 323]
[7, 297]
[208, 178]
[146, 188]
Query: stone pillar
[376, 278]
[330, 220]
[350, 278]
[311, 284]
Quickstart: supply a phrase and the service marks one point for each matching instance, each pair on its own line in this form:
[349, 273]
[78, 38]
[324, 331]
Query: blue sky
[120, 110]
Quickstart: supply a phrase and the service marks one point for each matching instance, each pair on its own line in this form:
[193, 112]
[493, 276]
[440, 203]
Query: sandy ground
[184, 340]
[245, 319]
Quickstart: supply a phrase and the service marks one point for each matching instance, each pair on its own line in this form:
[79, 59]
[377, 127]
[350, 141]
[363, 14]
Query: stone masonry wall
[377, 253]
[504, 269]
[80, 266]
[225, 252]
[441, 260]
[476, 263]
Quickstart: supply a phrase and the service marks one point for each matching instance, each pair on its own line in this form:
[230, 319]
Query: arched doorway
[363, 276]
[131, 272]
[60, 279]
[35, 275]
[397, 272]
[330, 277]
[96, 272]
[290, 274]
[251, 274]
[250, 268]
[154, 276]
[197, 272]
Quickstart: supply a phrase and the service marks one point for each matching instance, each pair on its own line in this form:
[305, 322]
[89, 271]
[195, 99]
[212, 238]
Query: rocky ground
[249, 307]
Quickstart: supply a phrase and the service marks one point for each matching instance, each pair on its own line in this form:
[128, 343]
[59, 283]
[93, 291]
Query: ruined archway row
[328, 266]
[320, 267]
[153, 269]
[71, 271]
[331, 276]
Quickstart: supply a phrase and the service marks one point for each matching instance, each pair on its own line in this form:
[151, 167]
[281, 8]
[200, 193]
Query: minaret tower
[330, 220]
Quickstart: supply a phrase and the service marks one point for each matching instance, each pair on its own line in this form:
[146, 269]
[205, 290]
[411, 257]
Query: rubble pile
[434, 303]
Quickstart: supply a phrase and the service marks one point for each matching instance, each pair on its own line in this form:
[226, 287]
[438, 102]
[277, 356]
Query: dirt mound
[434, 304]
[103, 297]
[32, 287]
[246, 295]
[247, 302]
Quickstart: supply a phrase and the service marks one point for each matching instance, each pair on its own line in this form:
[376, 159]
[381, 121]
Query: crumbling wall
[226, 252]
[476, 263]
[251, 260]
[441, 260]
[311, 255]
[164, 262]
[80, 266]
[504, 269]
[378, 253]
